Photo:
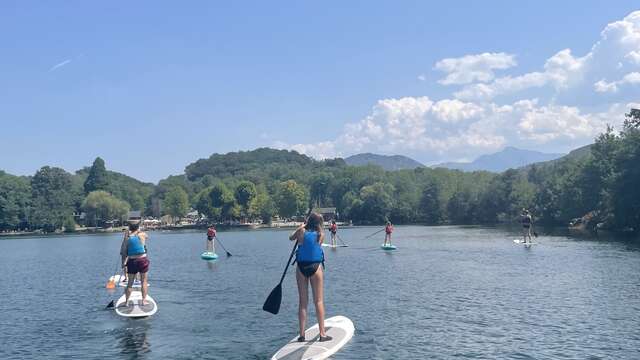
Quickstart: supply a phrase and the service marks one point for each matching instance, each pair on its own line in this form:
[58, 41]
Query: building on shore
[328, 213]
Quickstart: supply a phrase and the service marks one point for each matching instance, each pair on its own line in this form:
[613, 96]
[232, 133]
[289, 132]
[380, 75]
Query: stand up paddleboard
[518, 241]
[208, 255]
[135, 309]
[120, 280]
[388, 247]
[333, 246]
[339, 328]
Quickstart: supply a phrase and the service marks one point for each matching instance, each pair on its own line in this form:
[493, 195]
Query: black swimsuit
[308, 269]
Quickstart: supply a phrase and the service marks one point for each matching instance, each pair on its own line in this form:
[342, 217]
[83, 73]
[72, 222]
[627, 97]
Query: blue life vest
[134, 246]
[310, 250]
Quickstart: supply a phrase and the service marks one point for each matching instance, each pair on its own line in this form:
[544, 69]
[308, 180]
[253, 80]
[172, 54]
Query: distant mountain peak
[387, 162]
[507, 158]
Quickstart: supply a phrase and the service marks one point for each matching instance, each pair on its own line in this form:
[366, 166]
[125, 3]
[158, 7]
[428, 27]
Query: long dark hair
[314, 223]
[134, 226]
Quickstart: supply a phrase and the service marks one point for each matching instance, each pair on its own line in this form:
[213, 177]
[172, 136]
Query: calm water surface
[448, 292]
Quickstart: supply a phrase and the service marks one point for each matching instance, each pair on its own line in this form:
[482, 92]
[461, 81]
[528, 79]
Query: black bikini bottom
[308, 268]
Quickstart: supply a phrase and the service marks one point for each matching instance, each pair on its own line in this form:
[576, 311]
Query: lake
[447, 292]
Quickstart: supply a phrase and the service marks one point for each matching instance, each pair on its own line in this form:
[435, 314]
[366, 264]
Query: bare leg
[127, 292]
[143, 279]
[303, 292]
[317, 281]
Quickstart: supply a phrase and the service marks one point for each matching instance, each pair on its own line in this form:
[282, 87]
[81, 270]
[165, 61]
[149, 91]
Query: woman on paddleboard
[309, 257]
[527, 221]
[388, 229]
[211, 235]
[333, 229]
[136, 260]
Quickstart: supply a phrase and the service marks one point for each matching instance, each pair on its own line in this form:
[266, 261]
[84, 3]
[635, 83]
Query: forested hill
[257, 164]
[576, 155]
[600, 180]
[387, 162]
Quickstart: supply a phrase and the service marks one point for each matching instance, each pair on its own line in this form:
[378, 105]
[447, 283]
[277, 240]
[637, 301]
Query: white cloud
[470, 68]
[486, 113]
[455, 110]
[629, 79]
[422, 77]
[59, 65]
[633, 57]
[617, 49]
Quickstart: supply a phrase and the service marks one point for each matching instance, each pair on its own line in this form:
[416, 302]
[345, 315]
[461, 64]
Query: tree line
[599, 181]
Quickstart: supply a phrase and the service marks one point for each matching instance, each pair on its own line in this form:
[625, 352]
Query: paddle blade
[110, 305]
[111, 284]
[535, 234]
[228, 254]
[272, 304]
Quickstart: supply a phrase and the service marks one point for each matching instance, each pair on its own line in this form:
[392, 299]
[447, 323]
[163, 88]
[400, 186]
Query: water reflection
[133, 338]
[212, 264]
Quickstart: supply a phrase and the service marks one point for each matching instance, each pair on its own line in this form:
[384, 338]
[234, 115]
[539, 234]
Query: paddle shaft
[381, 230]
[223, 248]
[339, 238]
[286, 267]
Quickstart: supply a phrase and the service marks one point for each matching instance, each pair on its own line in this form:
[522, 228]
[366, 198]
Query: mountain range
[509, 157]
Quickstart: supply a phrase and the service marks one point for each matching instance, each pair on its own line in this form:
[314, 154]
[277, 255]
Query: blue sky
[153, 86]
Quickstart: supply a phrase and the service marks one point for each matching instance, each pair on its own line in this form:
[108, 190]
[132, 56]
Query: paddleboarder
[309, 257]
[333, 228]
[211, 235]
[527, 222]
[388, 229]
[136, 260]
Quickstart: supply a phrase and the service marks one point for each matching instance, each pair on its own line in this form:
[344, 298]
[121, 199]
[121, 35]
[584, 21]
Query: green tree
[97, 178]
[291, 199]
[100, 207]
[69, 224]
[15, 201]
[376, 202]
[430, 206]
[460, 208]
[245, 194]
[222, 201]
[176, 202]
[320, 188]
[625, 184]
[52, 198]
[263, 206]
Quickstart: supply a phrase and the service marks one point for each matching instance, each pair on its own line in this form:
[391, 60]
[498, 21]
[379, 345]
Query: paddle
[223, 248]
[340, 239]
[366, 237]
[272, 304]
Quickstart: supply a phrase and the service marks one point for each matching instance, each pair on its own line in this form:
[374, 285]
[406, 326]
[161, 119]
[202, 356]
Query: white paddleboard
[340, 328]
[518, 241]
[135, 309]
[388, 247]
[333, 246]
[120, 280]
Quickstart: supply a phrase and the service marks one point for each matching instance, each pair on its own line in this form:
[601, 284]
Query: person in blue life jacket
[136, 261]
[309, 257]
